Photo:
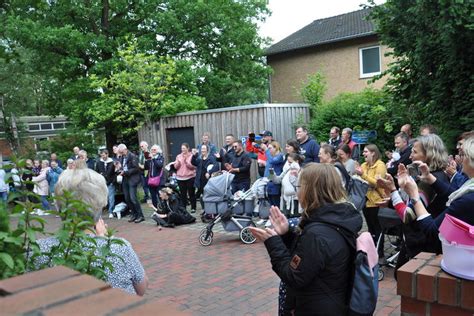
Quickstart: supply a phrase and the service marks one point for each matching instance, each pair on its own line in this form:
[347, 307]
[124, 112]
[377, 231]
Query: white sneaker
[119, 215]
[260, 222]
[40, 212]
[111, 215]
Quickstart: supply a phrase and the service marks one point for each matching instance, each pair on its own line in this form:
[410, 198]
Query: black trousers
[186, 189]
[371, 215]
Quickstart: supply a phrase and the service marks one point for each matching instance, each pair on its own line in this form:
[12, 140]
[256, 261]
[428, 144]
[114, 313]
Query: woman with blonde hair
[430, 151]
[317, 253]
[274, 167]
[126, 271]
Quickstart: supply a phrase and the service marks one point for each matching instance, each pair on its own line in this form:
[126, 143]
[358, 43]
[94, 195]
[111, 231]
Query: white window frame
[361, 68]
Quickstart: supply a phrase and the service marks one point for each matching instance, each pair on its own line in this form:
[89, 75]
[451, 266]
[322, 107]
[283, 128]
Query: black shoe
[140, 219]
[132, 219]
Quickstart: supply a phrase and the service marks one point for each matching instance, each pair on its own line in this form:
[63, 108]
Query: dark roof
[334, 29]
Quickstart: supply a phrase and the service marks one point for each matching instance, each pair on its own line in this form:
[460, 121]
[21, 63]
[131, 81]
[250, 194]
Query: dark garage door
[177, 136]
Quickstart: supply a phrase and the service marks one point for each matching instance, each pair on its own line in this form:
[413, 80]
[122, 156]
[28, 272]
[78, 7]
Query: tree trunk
[110, 139]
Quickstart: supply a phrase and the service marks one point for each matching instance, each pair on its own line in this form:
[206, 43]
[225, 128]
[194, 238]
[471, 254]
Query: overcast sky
[289, 16]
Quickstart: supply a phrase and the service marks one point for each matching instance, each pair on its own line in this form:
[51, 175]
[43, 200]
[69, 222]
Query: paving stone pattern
[226, 278]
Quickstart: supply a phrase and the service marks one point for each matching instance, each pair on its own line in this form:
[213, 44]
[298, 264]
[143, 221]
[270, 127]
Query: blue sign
[363, 137]
[244, 139]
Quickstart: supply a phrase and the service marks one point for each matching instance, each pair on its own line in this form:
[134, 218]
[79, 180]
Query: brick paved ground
[226, 278]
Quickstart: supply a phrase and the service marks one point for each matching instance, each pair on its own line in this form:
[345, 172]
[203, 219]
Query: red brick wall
[426, 290]
[5, 149]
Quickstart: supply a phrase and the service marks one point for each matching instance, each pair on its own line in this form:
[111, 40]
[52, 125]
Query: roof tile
[337, 28]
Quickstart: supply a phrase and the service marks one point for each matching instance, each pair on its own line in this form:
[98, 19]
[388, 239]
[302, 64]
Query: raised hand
[101, 228]
[262, 234]
[406, 182]
[358, 170]
[425, 175]
[451, 168]
[388, 184]
[278, 220]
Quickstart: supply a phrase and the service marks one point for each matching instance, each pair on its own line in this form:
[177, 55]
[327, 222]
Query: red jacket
[256, 150]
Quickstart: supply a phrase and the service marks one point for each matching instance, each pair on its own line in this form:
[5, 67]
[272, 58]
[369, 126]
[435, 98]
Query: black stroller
[391, 227]
[218, 202]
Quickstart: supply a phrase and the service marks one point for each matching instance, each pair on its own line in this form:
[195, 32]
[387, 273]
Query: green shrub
[76, 248]
[369, 109]
[313, 91]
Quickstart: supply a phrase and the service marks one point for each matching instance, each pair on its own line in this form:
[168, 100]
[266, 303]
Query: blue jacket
[276, 162]
[310, 150]
[201, 169]
[52, 176]
[460, 208]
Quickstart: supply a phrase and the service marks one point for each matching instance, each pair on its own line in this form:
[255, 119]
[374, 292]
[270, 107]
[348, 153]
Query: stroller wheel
[205, 237]
[381, 274]
[246, 236]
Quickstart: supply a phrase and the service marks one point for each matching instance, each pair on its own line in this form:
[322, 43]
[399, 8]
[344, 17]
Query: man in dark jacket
[105, 166]
[226, 153]
[131, 180]
[403, 148]
[240, 166]
[309, 147]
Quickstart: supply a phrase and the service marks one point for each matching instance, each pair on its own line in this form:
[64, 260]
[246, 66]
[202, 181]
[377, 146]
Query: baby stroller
[218, 201]
[259, 190]
[391, 224]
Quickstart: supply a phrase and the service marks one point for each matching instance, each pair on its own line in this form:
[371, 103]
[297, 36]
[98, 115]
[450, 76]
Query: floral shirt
[125, 273]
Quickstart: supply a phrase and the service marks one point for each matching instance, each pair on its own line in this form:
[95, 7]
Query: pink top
[184, 168]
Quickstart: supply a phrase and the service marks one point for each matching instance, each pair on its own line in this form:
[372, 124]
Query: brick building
[35, 128]
[344, 48]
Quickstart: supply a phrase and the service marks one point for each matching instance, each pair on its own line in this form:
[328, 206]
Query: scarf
[467, 187]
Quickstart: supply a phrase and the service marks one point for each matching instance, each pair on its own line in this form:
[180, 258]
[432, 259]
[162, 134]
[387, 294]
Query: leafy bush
[63, 143]
[76, 248]
[313, 91]
[367, 110]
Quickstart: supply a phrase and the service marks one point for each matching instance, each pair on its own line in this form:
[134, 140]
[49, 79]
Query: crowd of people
[419, 180]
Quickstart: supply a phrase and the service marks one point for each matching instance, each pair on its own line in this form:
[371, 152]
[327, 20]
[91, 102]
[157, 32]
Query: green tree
[432, 75]
[313, 91]
[142, 88]
[369, 109]
[73, 40]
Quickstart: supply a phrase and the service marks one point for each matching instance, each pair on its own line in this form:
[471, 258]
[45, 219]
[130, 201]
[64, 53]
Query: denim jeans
[44, 202]
[154, 195]
[4, 196]
[130, 195]
[111, 197]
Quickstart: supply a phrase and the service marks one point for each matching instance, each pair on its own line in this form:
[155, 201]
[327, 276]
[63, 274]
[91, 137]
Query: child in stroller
[170, 213]
[217, 201]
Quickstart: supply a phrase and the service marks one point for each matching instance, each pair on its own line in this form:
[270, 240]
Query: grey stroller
[218, 202]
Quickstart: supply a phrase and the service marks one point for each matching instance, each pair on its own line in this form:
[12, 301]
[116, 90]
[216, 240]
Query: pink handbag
[154, 182]
[457, 231]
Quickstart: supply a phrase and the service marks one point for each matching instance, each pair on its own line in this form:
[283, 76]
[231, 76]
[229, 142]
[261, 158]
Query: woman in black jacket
[170, 212]
[154, 165]
[205, 166]
[316, 262]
